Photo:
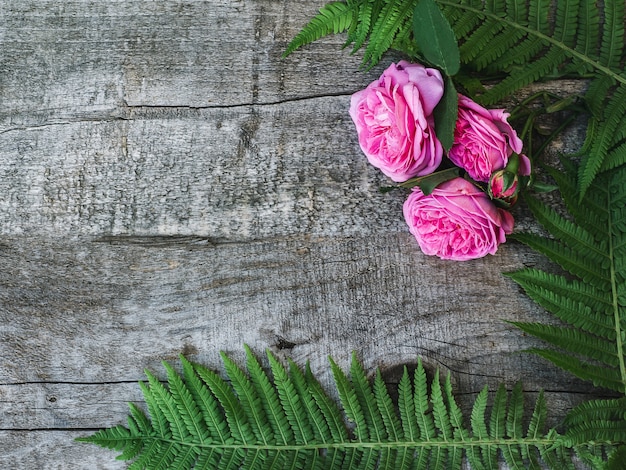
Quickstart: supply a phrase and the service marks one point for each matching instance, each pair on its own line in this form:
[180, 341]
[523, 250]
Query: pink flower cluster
[396, 130]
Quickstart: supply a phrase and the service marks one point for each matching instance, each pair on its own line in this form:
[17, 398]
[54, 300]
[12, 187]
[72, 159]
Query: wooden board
[170, 185]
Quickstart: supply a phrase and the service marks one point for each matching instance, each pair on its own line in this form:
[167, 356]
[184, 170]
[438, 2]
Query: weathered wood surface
[169, 184]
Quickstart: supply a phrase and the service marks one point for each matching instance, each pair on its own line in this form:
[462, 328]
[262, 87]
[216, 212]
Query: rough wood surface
[169, 184]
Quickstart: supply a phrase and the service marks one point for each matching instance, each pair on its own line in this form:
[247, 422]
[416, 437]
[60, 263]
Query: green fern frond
[576, 262]
[406, 407]
[374, 421]
[422, 404]
[350, 402]
[238, 426]
[269, 399]
[613, 38]
[159, 421]
[615, 158]
[367, 14]
[591, 343]
[333, 18]
[249, 400]
[598, 421]
[599, 376]
[574, 341]
[187, 429]
[576, 297]
[601, 135]
[387, 410]
[497, 420]
[291, 402]
[329, 409]
[487, 456]
[440, 413]
[574, 235]
[212, 414]
[319, 426]
[395, 16]
[593, 214]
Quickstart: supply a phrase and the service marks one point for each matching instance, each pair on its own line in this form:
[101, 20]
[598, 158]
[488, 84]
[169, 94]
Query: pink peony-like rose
[394, 122]
[457, 221]
[483, 140]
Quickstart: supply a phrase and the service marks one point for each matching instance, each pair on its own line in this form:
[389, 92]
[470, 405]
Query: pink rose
[393, 118]
[456, 221]
[483, 140]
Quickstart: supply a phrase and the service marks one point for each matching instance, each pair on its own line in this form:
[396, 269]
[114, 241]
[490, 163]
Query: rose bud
[504, 186]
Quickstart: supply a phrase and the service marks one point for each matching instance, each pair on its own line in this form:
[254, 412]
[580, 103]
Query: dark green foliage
[446, 114]
[435, 37]
[254, 421]
[383, 24]
[517, 42]
[589, 299]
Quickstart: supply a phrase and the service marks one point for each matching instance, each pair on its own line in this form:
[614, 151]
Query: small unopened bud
[504, 186]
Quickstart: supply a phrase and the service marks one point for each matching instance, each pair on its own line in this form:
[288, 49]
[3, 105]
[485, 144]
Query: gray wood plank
[236, 174]
[228, 174]
[102, 310]
[70, 406]
[80, 58]
[53, 450]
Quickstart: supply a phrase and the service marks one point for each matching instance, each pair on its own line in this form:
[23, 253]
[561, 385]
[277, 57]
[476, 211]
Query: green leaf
[406, 407]
[386, 409]
[446, 114]
[270, 400]
[291, 402]
[428, 183]
[332, 18]
[435, 37]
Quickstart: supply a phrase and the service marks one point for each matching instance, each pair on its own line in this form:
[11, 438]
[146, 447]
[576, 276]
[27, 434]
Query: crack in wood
[159, 241]
[58, 382]
[138, 111]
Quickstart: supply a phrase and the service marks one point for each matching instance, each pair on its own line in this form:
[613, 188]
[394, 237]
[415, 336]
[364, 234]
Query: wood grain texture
[169, 184]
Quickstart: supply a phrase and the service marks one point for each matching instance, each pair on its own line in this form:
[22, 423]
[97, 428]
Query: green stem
[555, 133]
[478, 443]
[438, 176]
[616, 312]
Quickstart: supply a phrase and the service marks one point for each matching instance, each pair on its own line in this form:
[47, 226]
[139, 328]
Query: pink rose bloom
[483, 140]
[393, 118]
[456, 221]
